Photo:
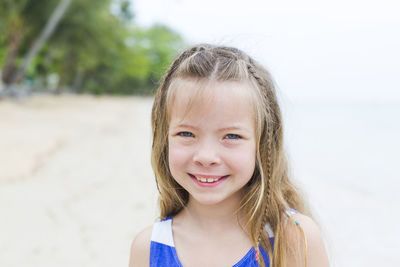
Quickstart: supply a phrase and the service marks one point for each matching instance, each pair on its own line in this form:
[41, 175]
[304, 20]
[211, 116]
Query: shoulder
[316, 252]
[140, 248]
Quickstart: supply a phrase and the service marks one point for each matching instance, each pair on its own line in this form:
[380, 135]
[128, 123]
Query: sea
[345, 159]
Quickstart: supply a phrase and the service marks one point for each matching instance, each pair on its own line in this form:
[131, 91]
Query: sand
[75, 180]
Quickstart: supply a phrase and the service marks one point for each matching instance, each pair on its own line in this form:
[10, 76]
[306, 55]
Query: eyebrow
[231, 128]
[185, 126]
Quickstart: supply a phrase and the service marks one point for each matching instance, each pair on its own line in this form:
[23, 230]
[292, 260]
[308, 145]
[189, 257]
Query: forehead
[204, 98]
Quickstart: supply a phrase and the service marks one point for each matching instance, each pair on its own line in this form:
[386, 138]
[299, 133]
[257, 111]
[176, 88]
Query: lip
[206, 184]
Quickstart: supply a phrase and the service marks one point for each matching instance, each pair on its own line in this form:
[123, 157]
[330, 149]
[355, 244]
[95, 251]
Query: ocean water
[345, 157]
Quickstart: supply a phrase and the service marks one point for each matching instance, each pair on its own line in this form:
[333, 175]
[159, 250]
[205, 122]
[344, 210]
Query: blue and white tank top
[163, 252]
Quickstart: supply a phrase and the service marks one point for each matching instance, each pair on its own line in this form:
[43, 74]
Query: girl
[225, 195]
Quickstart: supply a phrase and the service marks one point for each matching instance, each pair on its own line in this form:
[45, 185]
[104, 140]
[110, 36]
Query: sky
[316, 50]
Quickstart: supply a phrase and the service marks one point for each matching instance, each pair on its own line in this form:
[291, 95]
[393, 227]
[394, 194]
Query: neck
[223, 215]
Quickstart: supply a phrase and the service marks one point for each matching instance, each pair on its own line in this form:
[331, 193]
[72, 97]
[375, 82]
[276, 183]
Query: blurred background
[77, 79]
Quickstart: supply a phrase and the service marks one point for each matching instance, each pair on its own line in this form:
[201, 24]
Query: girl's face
[211, 140]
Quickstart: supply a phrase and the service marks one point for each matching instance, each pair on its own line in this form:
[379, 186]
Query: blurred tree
[123, 10]
[21, 21]
[94, 49]
[42, 38]
[139, 64]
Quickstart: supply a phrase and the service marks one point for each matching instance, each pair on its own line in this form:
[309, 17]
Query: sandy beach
[76, 183]
[75, 180]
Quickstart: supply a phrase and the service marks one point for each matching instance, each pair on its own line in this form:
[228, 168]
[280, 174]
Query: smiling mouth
[207, 179]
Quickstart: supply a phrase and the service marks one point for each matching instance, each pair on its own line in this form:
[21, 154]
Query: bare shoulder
[316, 252]
[140, 248]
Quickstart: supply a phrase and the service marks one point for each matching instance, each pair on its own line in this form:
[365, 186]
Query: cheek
[244, 161]
[177, 158]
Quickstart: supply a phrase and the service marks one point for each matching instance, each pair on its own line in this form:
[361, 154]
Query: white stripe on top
[162, 232]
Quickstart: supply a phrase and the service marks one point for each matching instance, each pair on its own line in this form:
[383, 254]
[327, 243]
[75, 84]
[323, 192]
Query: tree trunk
[13, 44]
[77, 83]
[43, 37]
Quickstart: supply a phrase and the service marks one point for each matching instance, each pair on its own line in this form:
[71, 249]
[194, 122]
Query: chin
[209, 200]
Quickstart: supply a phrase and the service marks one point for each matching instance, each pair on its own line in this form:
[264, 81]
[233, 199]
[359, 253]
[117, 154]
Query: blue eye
[185, 134]
[232, 136]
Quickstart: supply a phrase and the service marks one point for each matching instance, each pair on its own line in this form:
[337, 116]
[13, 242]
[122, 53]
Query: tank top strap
[269, 230]
[291, 211]
[162, 232]
[268, 227]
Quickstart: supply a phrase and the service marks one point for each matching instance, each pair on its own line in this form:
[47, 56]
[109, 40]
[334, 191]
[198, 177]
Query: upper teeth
[206, 180]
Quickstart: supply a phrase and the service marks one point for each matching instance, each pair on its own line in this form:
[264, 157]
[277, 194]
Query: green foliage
[24, 17]
[95, 48]
[3, 49]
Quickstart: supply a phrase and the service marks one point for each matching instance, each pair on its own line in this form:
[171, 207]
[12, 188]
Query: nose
[207, 154]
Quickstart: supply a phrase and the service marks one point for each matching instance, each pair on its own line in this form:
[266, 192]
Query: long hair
[269, 194]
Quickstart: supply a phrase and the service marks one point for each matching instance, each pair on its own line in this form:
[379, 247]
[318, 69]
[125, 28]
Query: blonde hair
[269, 194]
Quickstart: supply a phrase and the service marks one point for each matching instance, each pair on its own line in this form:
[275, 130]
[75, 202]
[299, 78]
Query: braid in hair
[268, 194]
[269, 94]
[263, 84]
